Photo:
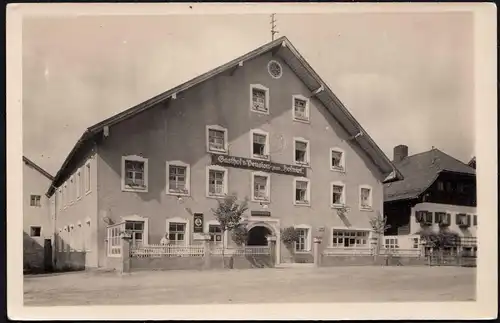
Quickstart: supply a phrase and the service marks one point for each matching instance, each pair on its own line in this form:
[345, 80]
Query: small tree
[440, 240]
[239, 235]
[228, 213]
[289, 236]
[379, 226]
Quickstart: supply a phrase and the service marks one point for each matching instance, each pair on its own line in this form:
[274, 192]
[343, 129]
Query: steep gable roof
[38, 168]
[281, 47]
[420, 171]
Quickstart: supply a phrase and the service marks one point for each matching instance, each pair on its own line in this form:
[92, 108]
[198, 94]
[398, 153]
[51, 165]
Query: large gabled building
[263, 126]
[438, 191]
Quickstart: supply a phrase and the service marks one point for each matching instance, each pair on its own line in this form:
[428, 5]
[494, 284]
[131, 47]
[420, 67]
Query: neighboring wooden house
[263, 126]
[37, 223]
[438, 191]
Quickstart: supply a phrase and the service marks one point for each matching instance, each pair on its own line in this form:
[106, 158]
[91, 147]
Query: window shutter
[468, 220]
[448, 218]
[418, 216]
[475, 219]
[457, 218]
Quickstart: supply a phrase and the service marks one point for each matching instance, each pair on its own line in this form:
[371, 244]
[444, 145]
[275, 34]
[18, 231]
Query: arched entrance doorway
[257, 236]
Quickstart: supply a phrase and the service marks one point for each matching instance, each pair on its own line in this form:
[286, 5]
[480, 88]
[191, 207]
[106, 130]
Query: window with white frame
[337, 194]
[178, 178]
[365, 197]
[259, 144]
[136, 230]
[301, 151]
[215, 233]
[302, 191]
[35, 231]
[177, 233]
[261, 186]
[87, 177]
[35, 200]
[349, 239]
[391, 243]
[78, 184]
[217, 139]
[303, 243]
[216, 181]
[337, 157]
[134, 174]
[114, 241]
[300, 108]
[259, 98]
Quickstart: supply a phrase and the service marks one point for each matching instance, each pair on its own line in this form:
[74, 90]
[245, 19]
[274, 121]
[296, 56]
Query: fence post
[271, 240]
[316, 255]
[125, 253]
[206, 251]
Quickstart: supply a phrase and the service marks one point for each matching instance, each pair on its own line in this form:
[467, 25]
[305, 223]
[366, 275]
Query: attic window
[274, 69]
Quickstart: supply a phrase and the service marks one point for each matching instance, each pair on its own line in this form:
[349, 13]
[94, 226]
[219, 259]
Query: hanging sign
[198, 223]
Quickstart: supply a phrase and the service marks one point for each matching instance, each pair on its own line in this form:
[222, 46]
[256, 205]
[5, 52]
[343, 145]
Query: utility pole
[273, 26]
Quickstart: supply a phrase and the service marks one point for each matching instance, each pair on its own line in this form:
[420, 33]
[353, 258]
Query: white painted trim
[308, 192]
[342, 160]
[88, 179]
[307, 112]
[281, 68]
[308, 151]
[135, 158]
[78, 184]
[41, 231]
[266, 148]
[308, 237]
[215, 222]
[218, 168]
[268, 186]
[350, 229]
[218, 128]
[138, 218]
[187, 237]
[343, 197]
[370, 198]
[275, 226]
[263, 88]
[188, 177]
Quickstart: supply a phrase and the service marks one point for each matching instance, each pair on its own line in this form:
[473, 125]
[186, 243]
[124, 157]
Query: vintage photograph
[191, 159]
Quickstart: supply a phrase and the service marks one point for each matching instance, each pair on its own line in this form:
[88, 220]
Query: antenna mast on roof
[273, 26]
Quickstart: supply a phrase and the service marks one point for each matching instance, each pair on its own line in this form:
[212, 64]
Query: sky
[406, 77]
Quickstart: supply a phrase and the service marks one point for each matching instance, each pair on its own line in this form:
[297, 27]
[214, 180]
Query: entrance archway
[257, 236]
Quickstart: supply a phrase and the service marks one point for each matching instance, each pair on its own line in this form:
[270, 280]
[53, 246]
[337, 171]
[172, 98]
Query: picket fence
[371, 252]
[192, 251]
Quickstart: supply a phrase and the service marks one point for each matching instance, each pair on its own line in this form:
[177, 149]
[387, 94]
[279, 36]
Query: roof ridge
[458, 160]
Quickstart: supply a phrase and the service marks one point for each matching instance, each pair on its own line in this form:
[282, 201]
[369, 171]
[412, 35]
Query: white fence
[401, 252]
[167, 251]
[192, 251]
[242, 251]
[348, 252]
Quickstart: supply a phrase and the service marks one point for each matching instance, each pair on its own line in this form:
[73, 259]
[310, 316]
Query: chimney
[400, 153]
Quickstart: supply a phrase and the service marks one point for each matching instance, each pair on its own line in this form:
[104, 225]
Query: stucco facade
[37, 224]
[177, 132]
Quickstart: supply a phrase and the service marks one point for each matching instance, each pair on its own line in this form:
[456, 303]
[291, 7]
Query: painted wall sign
[260, 213]
[198, 223]
[255, 164]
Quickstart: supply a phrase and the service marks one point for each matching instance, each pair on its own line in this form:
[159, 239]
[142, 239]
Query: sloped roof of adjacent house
[281, 47]
[38, 168]
[420, 171]
[472, 162]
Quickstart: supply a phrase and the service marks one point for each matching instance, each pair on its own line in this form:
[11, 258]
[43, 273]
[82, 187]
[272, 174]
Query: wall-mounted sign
[255, 164]
[260, 213]
[198, 223]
